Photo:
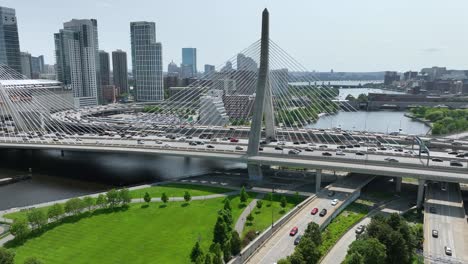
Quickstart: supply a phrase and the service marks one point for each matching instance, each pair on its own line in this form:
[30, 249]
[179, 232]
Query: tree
[215, 248]
[112, 198]
[74, 206]
[32, 260]
[220, 234]
[283, 202]
[259, 204]
[208, 258]
[147, 197]
[235, 243]
[296, 258]
[250, 218]
[313, 232]
[370, 249]
[37, 218]
[6, 256]
[243, 196]
[88, 202]
[227, 217]
[20, 229]
[187, 197]
[284, 261]
[297, 197]
[227, 204]
[164, 197]
[101, 201]
[270, 197]
[227, 251]
[196, 253]
[55, 211]
[309, 250]
[124, 196]
[354, 258]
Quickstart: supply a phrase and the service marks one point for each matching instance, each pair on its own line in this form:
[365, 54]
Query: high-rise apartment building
[189, 62]
[26, 64]
[76, 52]
[146, 62]
[104, 65]
[120, 70]
[9, 40]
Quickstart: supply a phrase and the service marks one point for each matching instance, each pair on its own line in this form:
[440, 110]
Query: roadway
[281, 244]
[449, 220]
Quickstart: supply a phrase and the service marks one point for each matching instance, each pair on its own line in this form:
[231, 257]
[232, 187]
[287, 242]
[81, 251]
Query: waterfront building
[146, 62]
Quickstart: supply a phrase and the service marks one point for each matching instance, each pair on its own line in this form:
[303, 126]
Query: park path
[239, 227]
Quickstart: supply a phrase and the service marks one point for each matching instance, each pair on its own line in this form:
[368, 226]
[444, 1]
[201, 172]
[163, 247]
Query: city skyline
[378, 32]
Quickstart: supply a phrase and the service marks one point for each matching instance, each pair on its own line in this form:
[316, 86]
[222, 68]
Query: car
[167, 145]
[293, 152]
[349, 146]
[314, 211]
[437, 160]
[326, 154]
[456, 163]
[210, 146]
[263, 142]
[393, 160]
[140, 142]
[323, 212]
[432, 210]
[239, 148]
[399, 150]
[278, 148]
[323, 146]
[339, 153]
[443, 187]
[360, 229]
[372, 149]
[360, 154]
[296, 143]
[260, 148]
[234, 140]
[453, 153]
[460, 155]
[297, 240]
[331, 193]
[341, 147]
[308, 149]
[382, 148]
[334, 202]
[191, 143]
[294, 231]
[435, 233]
[281, 143]
[448, 251]
[357, 145]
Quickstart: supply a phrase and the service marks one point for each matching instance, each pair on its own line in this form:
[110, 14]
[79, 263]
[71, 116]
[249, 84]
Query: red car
[234, 140]
[314, 211]
[294, 231]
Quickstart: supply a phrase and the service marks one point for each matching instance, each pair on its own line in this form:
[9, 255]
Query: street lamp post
[271, 202]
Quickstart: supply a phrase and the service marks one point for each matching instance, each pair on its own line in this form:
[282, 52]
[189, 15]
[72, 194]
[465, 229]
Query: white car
[339, 153]
[334, 202]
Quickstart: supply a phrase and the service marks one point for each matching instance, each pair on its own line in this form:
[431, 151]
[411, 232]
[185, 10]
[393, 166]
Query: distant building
[246, 63]
[409, 75]
[48, 72]
[209, 69]
[279, 81]
[146, 62]
[212, 111]
[189, 61]
[26, 64]
[9, 40]
[109, 93]
[227, 67]
[434, 72]
[120, 70]
[76, 52]
[170, 81]
[239, 106]
[37, 66]
[390, 77]
[104, 66]
[173, 69]
[185, 94]
[228, 86]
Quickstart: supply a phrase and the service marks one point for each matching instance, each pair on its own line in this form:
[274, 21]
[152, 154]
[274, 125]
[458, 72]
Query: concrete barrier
[353, 197]
[248, 251]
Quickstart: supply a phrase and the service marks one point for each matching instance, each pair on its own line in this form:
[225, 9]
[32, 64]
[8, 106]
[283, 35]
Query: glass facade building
[189, 61]
[9, 40]
[120, 70]
[146, 62]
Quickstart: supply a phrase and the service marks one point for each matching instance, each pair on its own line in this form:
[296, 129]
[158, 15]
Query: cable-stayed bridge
[251, 110]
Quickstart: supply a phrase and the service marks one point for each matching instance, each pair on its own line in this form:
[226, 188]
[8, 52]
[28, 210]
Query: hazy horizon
[357, 36]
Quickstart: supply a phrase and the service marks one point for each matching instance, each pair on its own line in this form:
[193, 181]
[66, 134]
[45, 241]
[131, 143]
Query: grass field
[137, 235]
[178, 190]
[351, 215]
[262, 217]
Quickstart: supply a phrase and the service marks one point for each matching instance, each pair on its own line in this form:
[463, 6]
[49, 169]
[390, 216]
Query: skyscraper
[37, 66]
[120, 70]
[146, 62]
[9, 41]
[189, 61]
[209, 69]
[76, 52]
[104, 65]
[26, 64]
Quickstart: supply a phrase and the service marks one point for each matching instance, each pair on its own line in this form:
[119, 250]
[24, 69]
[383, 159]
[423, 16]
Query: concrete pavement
[239, 226]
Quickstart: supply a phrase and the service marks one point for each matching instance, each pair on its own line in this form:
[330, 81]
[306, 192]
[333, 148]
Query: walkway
[239, 227]
[338, 252]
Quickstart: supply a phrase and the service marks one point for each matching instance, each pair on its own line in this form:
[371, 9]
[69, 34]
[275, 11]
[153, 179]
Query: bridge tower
[263, 106]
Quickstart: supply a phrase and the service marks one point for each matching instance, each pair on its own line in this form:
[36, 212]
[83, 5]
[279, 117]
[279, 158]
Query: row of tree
[307, 251]
[36, 219]
[386, 240]
[444, 121]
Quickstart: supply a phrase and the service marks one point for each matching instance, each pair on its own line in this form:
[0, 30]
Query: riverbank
[421, 120]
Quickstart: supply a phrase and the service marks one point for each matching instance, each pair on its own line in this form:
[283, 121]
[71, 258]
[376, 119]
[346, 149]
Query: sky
[343, 35]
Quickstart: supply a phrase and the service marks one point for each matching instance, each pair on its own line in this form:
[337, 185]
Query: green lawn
[178, 190]
[262, 217]
[350, 215]
[137, 235]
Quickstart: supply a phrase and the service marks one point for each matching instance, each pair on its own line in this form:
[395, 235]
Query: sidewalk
[239, 227]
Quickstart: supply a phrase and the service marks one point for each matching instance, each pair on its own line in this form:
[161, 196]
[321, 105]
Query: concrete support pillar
[420, 199]
[398, 183]
[269, 114]
[62, 153]
[318, 180]
[255, 172]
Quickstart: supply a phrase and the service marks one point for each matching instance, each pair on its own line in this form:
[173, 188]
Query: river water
[78, 173]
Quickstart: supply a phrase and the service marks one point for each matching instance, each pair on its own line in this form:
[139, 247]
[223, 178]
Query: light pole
[271, 205]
